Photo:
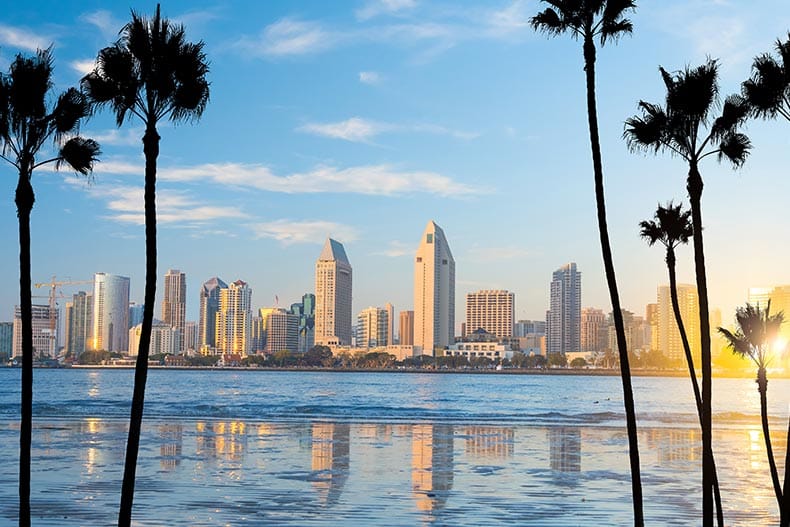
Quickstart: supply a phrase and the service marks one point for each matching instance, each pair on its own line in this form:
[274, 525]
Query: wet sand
[214, 472]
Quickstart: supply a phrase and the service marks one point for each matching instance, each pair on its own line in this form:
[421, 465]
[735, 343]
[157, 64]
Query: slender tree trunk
[151, 150]
[673, 293]
[694, 185]
[785, 507]
[762, 387]
[625, 370]
[24, 204]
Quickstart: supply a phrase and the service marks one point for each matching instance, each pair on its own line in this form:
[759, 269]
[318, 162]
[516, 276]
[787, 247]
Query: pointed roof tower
[333, 251]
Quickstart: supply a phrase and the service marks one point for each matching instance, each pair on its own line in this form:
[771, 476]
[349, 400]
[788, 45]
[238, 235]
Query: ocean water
[325, 448]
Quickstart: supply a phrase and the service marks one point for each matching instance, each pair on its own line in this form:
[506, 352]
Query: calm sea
[322, 448]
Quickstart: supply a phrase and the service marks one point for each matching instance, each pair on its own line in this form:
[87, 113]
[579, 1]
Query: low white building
[470, 350]
[164, 339]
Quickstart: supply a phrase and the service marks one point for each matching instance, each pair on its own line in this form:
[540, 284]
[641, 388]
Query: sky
[363, 120]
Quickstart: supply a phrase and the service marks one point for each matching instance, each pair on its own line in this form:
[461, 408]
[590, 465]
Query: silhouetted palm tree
[684, 126]
[151, 73]
[671, 226]
[602, 20]
[756, 331]
[26, 124]
[768, 90]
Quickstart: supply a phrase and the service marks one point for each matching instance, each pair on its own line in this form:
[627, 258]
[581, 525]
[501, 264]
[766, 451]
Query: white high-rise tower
[110, 313]
[174, 305]
[333, 295]
[434, 292]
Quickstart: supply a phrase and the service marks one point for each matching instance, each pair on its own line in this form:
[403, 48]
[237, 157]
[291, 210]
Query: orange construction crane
[54, 284]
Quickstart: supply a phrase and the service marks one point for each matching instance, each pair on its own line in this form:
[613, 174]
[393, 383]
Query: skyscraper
[390, 323]
[79, 323]
[44, 321]
[110, 313]
[207, 322]
[563, 324]
[492, 311]
[406, 329]
[594, 331]
[434, 292]
[174, 305]
[234, 319]
[6, 339]
[669, 342]
[372, 327]
[282, 331]
[333, 295]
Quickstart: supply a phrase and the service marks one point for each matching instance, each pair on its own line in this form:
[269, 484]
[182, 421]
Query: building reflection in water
[674, 446]
[171, 440]
[330, 459]
[221, 440]
[489, 442]
[432, 465]
[565, 449]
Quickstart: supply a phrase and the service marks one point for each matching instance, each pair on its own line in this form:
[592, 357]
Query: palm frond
[734, 147]
[650, 231]
[733, 114]
[80, 154]
[648, 131]
[693, 92]
[549, 21]
[613, 21]
[72, 106]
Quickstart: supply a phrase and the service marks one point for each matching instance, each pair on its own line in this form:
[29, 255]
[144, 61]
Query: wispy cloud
[396, 249]
[289, 36]
[358, 129]
[17, 37]
[83, 67]
[289, 232]
[369, 77]
[383, 7]
[117, 137]
[104, 21]
[509, 20]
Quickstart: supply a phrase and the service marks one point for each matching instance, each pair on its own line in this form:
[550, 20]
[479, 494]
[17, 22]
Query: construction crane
[53, 285]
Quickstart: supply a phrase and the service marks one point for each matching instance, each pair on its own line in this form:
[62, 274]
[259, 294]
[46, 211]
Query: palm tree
[151, 73]
[671, 227]
[602, 20]
[756, 331]
[26, 124]
[685, 127]
[768, 90]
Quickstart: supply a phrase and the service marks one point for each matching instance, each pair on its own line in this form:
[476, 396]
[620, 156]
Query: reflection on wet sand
[489, 442]
[330, 459]
[171, 439]
[221, 440]
[565, 449]
[432, 465]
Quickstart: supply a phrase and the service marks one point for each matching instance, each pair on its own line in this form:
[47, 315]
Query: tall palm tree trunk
[762, 387]
[151, 150]
[673, 293]
[694, 186]
[625, 370]
[785, 507]
[24, 203]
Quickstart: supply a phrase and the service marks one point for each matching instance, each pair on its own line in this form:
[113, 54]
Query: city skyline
[431, 107]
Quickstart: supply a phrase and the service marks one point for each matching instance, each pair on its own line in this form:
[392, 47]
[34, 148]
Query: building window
[444, 261]
[419, 259]
[429, 238]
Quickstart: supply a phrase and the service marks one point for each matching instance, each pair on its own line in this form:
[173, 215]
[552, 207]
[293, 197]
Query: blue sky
[365, 119]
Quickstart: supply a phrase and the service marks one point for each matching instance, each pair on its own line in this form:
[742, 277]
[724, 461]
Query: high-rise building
[406, 328]
[110, 313]
[594, 331]
[79, 323]
[282, 331]
[164, 339]
[45, 320]
[522, 328]
[333, 295]
[565, 304]
[135, 314]
[391, 323]
[372, 327]
[234, 319]
[780, 301]
[174, 304]
[669, 341]
[6, 339]
[492, 311]
[651, 316]
[306, 312]
[190, 335]
[434, 292]
[637, 333]
[207, 322]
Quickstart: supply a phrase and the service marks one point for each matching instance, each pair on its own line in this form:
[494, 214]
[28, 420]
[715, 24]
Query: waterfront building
[522, 328]
[305, 310]
[234, 319]
[333, 284]
[563, 324]
[174, 304]
[492, 311]
[780, 301]
[282, 331]
[78, 324]
[637, 333]
[390, 323]
[495, 351]
[110, 313]
[164, 339]
[135, 314]
[373, 327]
[594, 330]
[6, 339]
[190, 336]
[45, 323]
[207, 321]
[406, 328]
[651, 316]
[434, 292]
[669, 342]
